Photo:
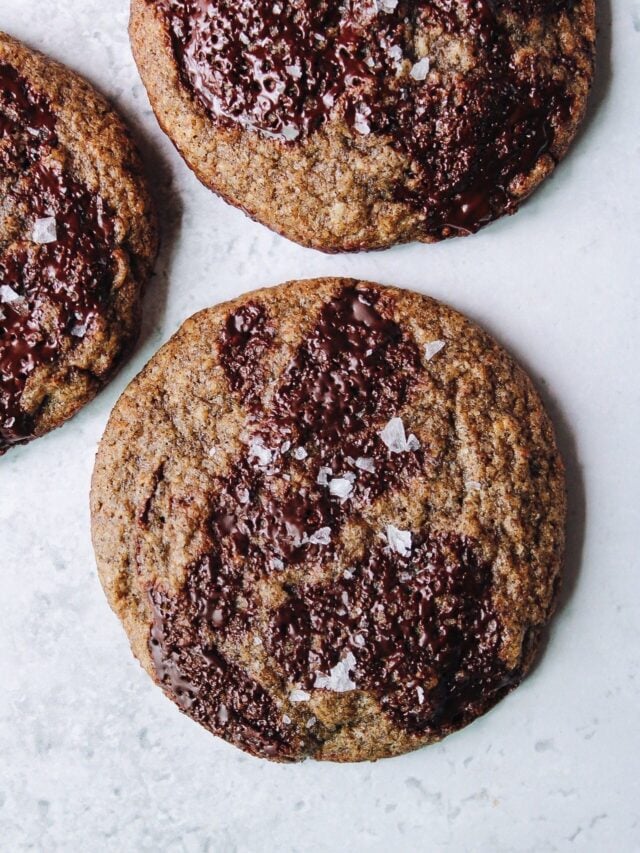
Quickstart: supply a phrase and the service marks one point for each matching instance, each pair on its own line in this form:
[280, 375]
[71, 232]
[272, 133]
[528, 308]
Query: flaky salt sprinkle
[386, 5]
[339, 678]
[394, 436]
[398, 540]
[299, 696]
[420, 693]
[321, 537]
[258, 451]
[311, 722]
[473, 485]
[433, 348]
[286, 719]
[340, 487]
[8, 294]
[420, 70]
[300, 453]
[45, 230]
[366, 464]
[323, 476]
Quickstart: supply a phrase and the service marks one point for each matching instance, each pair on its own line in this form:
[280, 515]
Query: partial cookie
[77, 241]
[360, 125]
[331, 518]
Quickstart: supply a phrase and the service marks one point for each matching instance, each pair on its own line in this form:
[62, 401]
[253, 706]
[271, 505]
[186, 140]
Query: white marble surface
[93, 757]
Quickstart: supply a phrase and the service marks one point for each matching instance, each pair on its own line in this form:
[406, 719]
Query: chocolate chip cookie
[331, 518]
[77, 240]
[362, 124]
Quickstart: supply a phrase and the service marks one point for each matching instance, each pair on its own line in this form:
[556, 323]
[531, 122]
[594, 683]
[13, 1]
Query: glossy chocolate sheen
[422, 621]
[49, 293]
[282, 69]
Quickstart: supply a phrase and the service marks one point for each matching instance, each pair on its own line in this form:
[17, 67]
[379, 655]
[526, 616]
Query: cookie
[331, 518]
[77, 241]
[361, 125]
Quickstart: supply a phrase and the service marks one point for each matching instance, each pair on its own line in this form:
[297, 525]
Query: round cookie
[361, 125]
[77, 241]
[331, 518]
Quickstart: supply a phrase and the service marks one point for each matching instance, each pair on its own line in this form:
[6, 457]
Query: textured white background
[93, 757]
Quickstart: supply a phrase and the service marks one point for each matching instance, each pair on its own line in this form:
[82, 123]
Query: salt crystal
[323, 476]
[339, 678]
[285, 446]
[386, 5]
[420, 69]
[80, 330]
[399, 540]
[299, 696]
[300, 453]
[294, 71]
[359, 640]
[393, 435]
[361, 124]
[432, 349]
[44, 230]
[311, 722]
[8, 294]
[290, 132]
[395, 53]
[347, 574]
[340, 488]
[365, 464]
[420, 693]
[258, 451]
[277, 564]
[321, 537]
[473, 485]
[257, 641]
[286, 719]
[223, 714]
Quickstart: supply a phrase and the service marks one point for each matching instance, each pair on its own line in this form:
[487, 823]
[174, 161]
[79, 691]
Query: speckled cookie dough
[372, 122]
[77, 241]
[331, 518]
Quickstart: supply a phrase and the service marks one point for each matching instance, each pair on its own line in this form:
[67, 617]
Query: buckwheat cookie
[362, 124]
[331, 517]
[77, 240]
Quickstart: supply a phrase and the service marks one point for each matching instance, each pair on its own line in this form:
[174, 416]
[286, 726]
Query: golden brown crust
[95, 150]
[492, 475]
[336, 190]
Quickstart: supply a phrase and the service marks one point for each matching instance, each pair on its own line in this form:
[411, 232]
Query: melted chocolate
[422, 630]
[282, 69]
[421, 622]
[246, 338]
[50, 293]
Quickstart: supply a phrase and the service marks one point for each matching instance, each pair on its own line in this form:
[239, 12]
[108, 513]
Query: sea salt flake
[311, 722]
[359, 640]
[223, 714]
[323, 476]
[321, 537]
[420, 69]
[399, 540]
[433, 348]
[299, 696]
[44, 230]
[473, 485]
[365, 464]
[394, 436]
[386, 5]
[340, 488]
[300, 453]
[420, 693]
[257, 641]
[290, 132]
[347, 574]
[294, 71]
[8, 294]
[395, 53]
[80, 329]
[286, 719]
[277, 564]
[262, 454]
[285, 446]
[339, 678]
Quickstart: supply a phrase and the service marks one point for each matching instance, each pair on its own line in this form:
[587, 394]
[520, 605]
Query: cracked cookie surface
[371, 122]
[77, 241]
[331, 518]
